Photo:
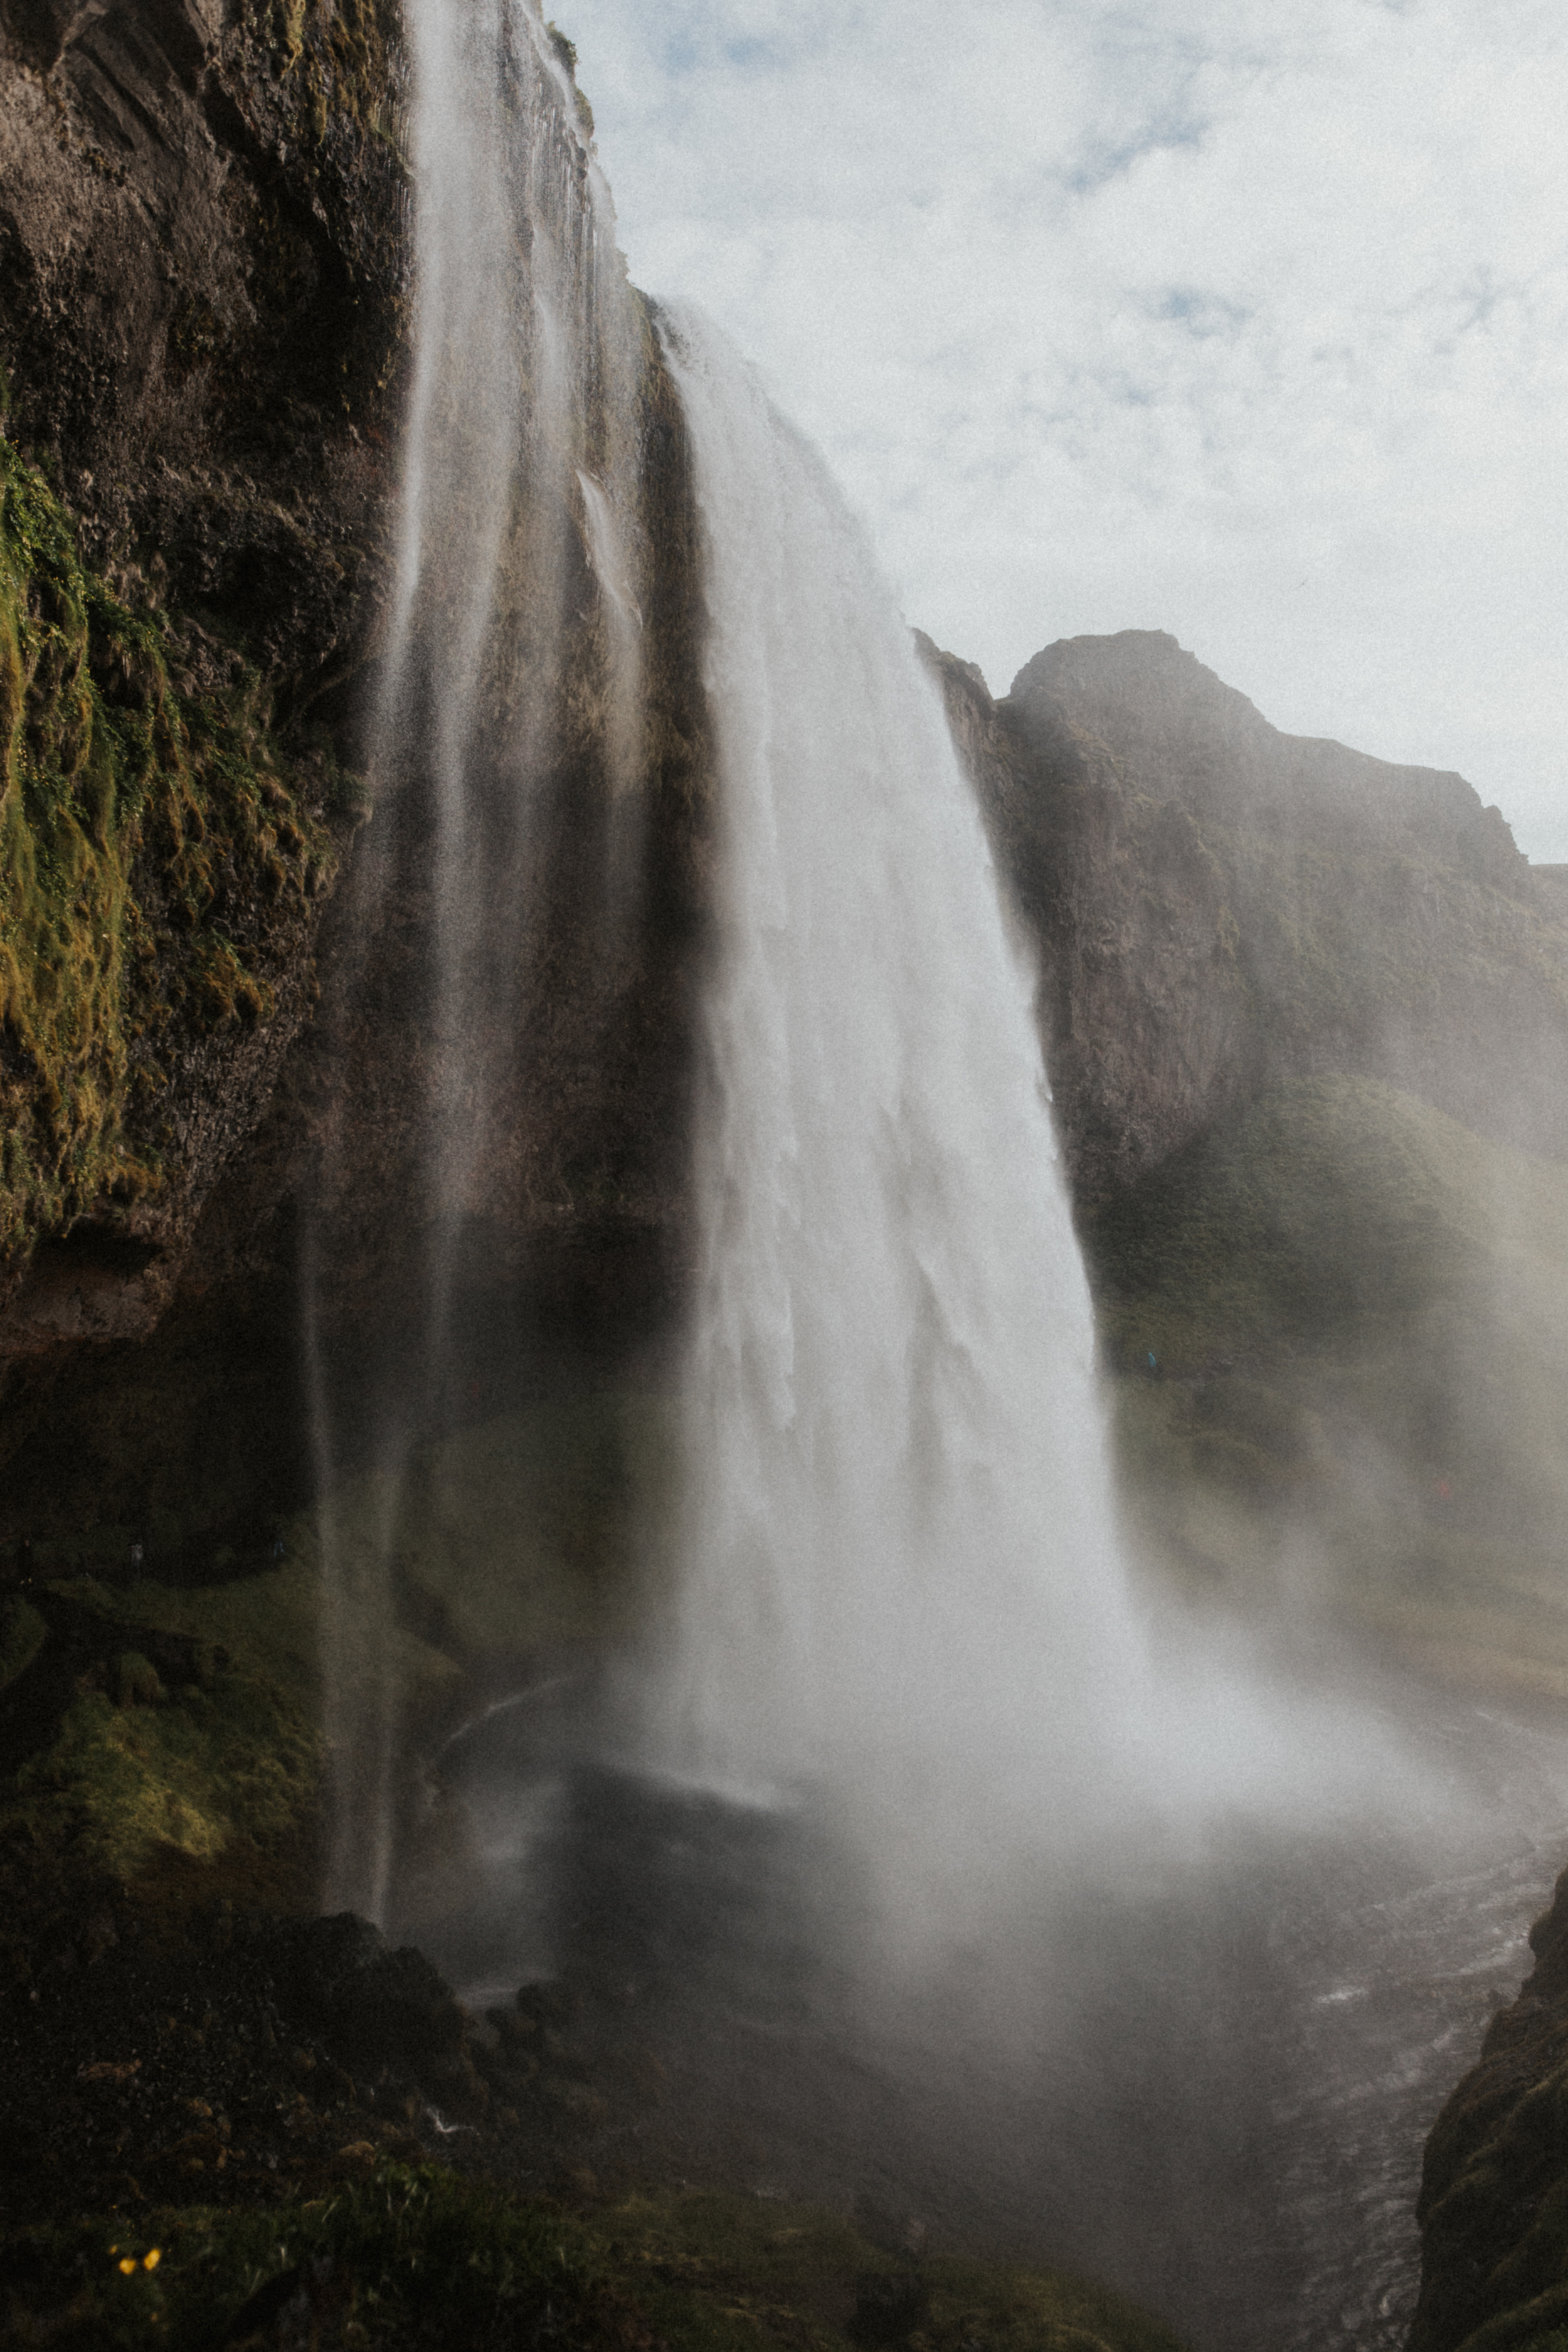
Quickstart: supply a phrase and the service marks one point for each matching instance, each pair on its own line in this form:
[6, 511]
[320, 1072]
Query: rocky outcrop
[1306, 1017]
[204, 324]
[202, 290]
[1217, 906]
[1494, 2186]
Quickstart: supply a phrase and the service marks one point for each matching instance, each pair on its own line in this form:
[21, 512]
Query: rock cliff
[1494, 2189]
[1305, 1016]
[1219, 907]
[202, 279]
[216, 994]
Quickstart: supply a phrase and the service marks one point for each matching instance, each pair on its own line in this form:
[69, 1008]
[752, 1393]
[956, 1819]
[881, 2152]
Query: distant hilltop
[1216, 906]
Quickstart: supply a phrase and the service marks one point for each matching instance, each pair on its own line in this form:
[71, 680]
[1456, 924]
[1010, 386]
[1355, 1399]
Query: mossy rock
[127, 1775]
[136, 1682]
[169, 1740]
[154, 856]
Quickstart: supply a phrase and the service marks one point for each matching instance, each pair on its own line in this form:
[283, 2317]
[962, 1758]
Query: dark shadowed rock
[1494, 2191]
[375, 2007]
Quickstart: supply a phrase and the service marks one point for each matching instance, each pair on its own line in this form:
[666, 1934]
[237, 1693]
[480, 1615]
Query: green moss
[195, 1772]
[527, 1530]
[150, 848]
[177, 1750]
[1327, 1204]
[267, 1624]
[22, 1636]
[136, 1682]
[720, 2271]
[337, 61]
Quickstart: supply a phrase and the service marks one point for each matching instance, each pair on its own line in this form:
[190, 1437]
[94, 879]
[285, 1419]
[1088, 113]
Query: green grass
[373, 2263]
[423, 2255]
[1359, 1313]
[718, 2272]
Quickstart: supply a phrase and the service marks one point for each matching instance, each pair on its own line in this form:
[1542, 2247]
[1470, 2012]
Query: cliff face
[219, 1023]
[1494, 2189]
[1143, 1005]
[202, 272]
[1307, 1021]
[1219, 907]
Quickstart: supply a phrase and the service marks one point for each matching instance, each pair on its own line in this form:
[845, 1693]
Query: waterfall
[898, 1577]
[510, 681]
[895, 1581]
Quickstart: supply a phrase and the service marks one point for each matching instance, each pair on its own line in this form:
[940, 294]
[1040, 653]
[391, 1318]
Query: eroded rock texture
[1216, 905]
[202, 286]
[1494, 2191]
[204, 325]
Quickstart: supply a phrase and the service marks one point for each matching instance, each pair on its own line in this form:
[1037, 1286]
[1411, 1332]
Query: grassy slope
[518, 1539]
[425, 2257]
[1359, 1314]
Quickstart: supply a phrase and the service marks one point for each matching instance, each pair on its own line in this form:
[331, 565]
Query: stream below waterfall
[1211, 2089]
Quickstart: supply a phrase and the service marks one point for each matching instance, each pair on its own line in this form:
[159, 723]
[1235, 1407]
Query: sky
[1242, 319]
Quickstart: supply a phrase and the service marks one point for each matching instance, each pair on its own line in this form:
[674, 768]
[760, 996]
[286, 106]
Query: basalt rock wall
[1217, 906]
[201, 290]
[1494, 2189]
[216, 1030]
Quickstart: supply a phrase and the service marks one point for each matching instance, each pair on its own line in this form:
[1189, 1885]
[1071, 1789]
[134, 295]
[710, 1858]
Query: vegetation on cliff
[202, 295]
[1336, 1326]
[157, 1747]
[1307, 1020]
[158, 862]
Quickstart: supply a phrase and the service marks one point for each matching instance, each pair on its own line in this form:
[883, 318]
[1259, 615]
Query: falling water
[896, 1583]
[525, 366]
[519, 478]
[899, 1570]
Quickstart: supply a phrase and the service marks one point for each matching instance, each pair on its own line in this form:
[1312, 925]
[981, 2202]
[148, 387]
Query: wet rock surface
[204, 233]
[1494, 2185]
[202, 288]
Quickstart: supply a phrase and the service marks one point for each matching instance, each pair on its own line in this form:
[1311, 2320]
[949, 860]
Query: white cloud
[1198, 314]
